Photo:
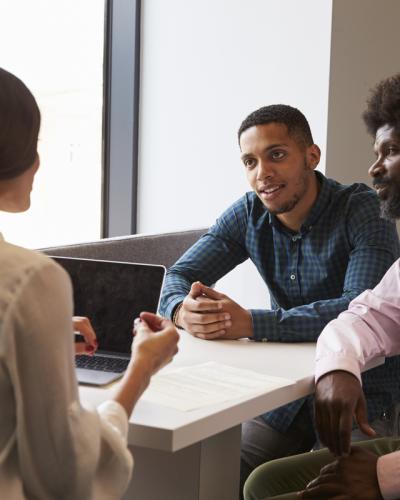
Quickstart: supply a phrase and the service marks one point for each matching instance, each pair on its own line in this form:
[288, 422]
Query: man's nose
[265, 170]
[377, 168]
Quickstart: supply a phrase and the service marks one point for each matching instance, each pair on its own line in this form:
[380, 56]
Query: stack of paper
[196, 386]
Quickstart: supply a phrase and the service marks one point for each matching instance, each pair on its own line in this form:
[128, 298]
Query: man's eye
[392, 150]
[249, 163]
[277, 155]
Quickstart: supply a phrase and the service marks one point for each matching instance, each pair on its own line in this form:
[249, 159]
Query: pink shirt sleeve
[388, 470]
[370, 328]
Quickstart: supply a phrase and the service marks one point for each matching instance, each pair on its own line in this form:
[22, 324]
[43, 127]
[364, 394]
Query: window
[57, 49]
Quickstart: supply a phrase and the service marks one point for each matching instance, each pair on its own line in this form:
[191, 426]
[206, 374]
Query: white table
[195, 455]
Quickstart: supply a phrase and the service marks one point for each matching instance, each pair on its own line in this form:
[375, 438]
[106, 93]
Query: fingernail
[228, 323]
[227, 316]
[136, 323]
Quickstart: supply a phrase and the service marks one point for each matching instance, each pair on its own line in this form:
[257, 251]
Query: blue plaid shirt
[342, 248]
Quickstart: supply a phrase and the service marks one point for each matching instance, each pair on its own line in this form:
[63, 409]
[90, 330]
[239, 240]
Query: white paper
[196, 386]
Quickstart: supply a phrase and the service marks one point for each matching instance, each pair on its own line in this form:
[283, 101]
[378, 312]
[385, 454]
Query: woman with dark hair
[50, 446]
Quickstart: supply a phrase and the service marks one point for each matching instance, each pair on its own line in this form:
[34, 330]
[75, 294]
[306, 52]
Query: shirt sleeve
[368, 329]
[62, 447]
[372, 246]
[215, 254]
[388, 472]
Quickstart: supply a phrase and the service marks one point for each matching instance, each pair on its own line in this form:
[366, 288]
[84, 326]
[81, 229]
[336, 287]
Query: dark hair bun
[19, 126]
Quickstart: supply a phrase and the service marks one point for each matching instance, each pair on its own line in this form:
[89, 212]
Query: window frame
[120, 117]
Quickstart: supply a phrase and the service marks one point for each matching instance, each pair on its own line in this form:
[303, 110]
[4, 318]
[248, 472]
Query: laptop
[111, 294]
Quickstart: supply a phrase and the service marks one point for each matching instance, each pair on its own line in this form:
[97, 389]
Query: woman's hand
[83, 326]
[154, 345]
[155, 342]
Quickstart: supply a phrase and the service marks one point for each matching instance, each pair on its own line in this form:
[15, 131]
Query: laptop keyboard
[101, 363]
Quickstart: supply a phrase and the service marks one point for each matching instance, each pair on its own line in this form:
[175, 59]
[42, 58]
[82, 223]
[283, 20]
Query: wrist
[141, 367]
[249, 324]
[334, 374]
[175, 316]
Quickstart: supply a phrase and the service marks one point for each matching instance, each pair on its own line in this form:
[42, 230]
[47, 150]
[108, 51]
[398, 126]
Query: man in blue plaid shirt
[316, 243]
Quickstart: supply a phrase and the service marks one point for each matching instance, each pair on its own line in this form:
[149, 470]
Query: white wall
[205, 66]
[365, 39]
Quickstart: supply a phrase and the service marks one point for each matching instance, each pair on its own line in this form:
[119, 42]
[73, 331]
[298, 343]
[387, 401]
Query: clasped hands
[208, 314]
[352, 475]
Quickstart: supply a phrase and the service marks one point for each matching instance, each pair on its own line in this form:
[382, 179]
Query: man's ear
[313, 156]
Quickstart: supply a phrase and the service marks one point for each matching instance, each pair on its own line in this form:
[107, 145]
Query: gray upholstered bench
[163, 248]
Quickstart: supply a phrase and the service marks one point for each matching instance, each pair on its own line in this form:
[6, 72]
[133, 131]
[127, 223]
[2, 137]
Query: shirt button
[292, 276]
[294, 238]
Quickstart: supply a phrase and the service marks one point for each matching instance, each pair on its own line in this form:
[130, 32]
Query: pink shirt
[368, 329]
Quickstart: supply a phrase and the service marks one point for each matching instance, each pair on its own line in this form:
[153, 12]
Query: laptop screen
[112, 295]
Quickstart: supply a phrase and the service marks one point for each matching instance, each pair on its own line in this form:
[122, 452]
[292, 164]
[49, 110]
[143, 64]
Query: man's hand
[339, 397]
[352, 477]
[202, 316]
[84, 327]
[208, 314]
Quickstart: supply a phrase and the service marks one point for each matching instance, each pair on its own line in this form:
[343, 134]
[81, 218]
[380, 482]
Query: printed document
[192, 387]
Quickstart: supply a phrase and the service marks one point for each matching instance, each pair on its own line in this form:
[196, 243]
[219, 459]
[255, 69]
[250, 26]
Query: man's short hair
[296, 123]
[383, 105]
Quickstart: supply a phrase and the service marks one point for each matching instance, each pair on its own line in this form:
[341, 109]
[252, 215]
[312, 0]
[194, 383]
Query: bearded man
[316, 243]
[370, 328]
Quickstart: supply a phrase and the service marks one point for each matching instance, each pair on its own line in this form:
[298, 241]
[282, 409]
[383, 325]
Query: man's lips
[381, 189]
[271, 191]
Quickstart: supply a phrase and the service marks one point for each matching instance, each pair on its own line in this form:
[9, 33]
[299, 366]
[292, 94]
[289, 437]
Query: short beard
[390, 208]
[289, 205]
